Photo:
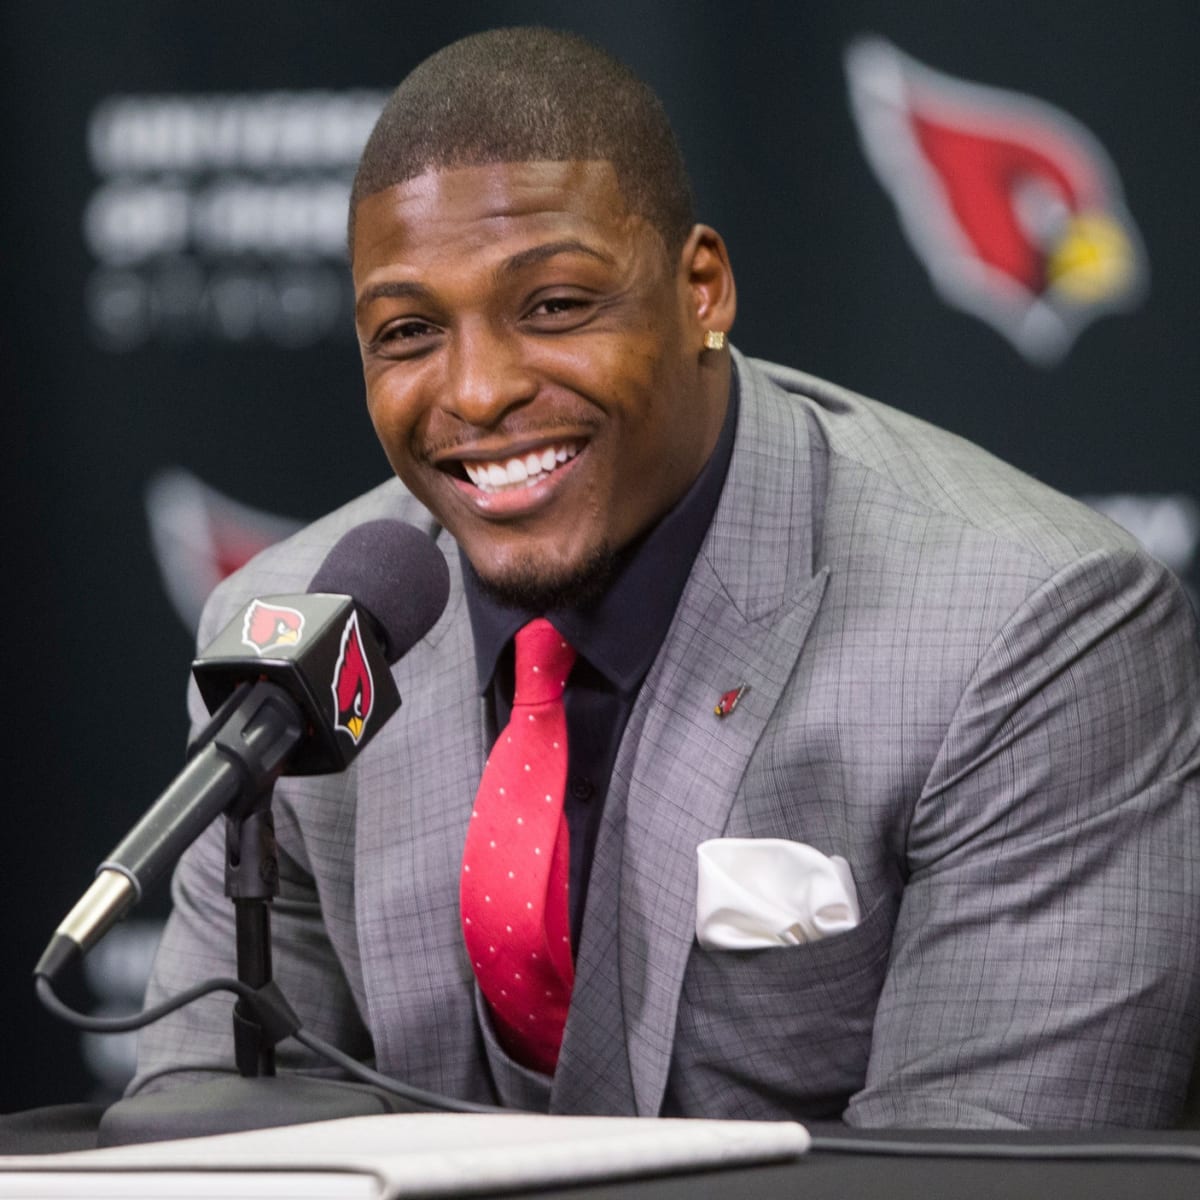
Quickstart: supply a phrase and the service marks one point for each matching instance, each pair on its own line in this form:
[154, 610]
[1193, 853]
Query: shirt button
[582, 789]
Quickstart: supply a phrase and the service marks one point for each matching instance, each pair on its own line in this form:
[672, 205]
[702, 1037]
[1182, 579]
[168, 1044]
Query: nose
[487, 374]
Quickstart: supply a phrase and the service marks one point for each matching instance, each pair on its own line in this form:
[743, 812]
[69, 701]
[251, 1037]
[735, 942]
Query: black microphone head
[396, 573]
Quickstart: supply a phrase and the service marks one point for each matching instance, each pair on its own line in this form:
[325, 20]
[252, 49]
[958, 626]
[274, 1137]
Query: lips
[519, 471]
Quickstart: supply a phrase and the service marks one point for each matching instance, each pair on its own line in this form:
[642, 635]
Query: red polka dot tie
[516, 863]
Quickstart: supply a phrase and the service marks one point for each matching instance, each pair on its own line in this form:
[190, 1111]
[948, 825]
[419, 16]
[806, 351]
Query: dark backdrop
[133, 345]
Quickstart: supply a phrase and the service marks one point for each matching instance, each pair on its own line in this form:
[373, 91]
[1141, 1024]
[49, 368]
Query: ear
[708, 277]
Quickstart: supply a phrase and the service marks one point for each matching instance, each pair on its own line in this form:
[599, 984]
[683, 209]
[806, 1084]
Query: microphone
[297, 684]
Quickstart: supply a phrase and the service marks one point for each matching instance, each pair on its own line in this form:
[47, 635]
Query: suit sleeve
[199, 943]
[1045, 967]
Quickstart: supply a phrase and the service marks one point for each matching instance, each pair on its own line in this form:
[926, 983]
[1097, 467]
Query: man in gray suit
[979, 695]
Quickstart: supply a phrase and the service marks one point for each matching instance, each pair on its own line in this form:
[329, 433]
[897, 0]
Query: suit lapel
[415, 790]
[593, 1074]
[742, 619]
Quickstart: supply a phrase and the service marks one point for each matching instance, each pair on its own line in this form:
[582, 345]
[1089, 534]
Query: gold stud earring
[714, 339]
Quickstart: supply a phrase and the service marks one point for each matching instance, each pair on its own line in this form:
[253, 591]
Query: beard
[527, 586]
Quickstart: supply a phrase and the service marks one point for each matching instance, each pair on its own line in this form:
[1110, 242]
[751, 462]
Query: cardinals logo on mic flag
[1012, 205]
[268, 627]
[353, 690]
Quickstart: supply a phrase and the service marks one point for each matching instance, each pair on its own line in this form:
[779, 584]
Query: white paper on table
[428, 1154]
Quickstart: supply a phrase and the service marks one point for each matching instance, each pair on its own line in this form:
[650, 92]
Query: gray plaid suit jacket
[985, 697]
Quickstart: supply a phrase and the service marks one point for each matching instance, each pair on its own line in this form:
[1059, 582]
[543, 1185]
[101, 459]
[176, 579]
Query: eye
[560, 312]
[405, 331]
[404, 337]
[557, 304]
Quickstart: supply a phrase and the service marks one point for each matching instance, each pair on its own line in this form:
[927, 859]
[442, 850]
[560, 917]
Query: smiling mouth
[520, 471]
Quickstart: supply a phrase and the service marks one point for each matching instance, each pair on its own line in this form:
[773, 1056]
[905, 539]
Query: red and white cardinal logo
[268, 626]
[353, 689]
[1012, 205]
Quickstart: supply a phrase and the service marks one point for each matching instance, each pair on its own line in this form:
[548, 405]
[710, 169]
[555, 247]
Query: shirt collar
[621, 633]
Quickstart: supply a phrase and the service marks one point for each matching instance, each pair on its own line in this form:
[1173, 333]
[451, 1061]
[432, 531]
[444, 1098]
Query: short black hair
[525, 94]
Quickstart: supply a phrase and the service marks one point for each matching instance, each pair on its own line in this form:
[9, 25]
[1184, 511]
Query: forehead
[473, 209]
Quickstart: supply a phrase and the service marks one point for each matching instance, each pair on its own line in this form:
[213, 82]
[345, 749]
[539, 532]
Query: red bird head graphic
[353, 690]
[1012, 205]
[266, 627]
[200, 536]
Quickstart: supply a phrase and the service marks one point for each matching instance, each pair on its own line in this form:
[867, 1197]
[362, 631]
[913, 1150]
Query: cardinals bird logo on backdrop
[201, 536]
[1014, 208]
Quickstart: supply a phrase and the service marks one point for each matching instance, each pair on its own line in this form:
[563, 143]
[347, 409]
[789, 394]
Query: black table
[923, 1165]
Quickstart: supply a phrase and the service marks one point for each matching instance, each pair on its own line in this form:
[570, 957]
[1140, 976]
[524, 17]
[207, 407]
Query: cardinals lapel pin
[729, 700]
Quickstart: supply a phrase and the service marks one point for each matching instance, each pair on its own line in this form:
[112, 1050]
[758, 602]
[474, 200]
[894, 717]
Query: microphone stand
[256, 1097]
[252, 882]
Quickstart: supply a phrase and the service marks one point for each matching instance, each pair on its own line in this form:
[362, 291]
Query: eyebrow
[537, 254]
[394, 290]
[402, 290]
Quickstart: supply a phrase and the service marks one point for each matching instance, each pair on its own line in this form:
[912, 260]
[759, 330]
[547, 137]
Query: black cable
[361, 1071]
[318, 1045]
[147, 1016]
[1074, 1151]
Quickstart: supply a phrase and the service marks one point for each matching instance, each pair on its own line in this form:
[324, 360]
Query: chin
[535, 587]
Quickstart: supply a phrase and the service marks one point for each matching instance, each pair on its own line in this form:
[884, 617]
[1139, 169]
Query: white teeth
[518, 472]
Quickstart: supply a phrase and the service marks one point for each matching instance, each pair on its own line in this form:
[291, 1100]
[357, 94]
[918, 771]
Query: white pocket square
[756, 892]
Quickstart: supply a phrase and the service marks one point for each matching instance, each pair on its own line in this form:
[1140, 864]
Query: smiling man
[778, 755]
[529, 347]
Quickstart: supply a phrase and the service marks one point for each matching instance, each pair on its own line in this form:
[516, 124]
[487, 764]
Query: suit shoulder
[908, 463]
[289, 565]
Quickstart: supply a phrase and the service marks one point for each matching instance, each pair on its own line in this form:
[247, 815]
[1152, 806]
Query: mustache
[513, 429]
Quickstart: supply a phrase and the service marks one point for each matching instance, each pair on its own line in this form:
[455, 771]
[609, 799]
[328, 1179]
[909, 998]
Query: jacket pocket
[783, 1031]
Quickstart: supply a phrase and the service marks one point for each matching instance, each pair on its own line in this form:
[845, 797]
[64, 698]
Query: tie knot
[543, 661]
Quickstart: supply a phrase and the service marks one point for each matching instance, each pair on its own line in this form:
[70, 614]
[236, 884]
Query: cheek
[661, 453]
[638, 483]
[396, 429]
[394, 415]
